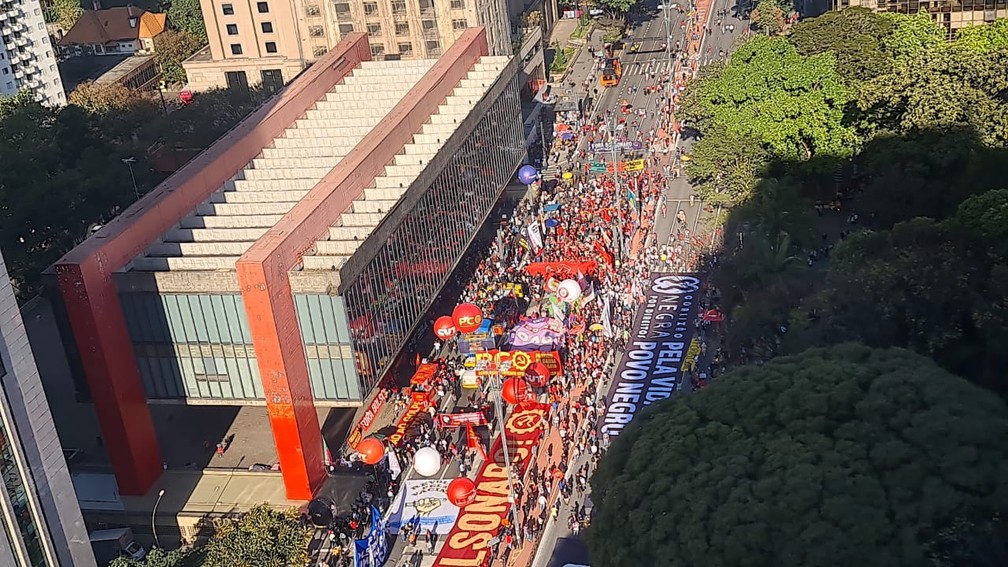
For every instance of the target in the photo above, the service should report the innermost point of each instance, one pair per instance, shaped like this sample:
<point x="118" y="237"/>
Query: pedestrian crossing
<point x="659" y="68"/>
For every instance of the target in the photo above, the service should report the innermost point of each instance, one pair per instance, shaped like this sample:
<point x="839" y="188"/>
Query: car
<point x="635" y="48"/>
<point x="670" y="6"/>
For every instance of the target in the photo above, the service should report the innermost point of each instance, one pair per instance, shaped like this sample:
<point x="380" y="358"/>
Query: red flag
<point x="473" y="441"/>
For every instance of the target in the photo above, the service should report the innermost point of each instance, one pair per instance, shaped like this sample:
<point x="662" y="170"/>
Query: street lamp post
<point x="618" y="224"/>
<point x="129" y="161"/>
<point x="497" y="388"/>
<point x="153" y="523"/>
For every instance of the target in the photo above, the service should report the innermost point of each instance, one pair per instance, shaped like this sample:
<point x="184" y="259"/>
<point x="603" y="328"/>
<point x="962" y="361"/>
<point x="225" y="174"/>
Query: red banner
<point x="478" y="523"/>
<point x="415" y="407"/>
<point x="518" y="362"/>
<point x="561" y="270"/>
<point x="461" y="419"/>
<point x="366" y="420"/>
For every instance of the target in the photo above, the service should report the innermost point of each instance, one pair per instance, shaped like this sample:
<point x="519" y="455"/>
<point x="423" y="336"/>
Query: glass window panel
<point x="304" y="318"/>
<point x="174" y="314"/>
<point x="327" y="319"/>
<point x="172" y="377"/>
<point x="207" y="310"/>
<point x="246" y="334"/>
<point x="198" y="320"/>
<point x="341" y="319"/>
<point x="220" y="320"/>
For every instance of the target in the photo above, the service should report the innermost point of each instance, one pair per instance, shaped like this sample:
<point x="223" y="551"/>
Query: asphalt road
<point x="557" y="547"/>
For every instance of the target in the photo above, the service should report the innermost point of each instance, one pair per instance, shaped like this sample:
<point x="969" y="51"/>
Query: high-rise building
<point x="270" y="42"/>
<point x="950" y="14"/>
<point x="38" y="504"/>
<point x="27" y="56"/>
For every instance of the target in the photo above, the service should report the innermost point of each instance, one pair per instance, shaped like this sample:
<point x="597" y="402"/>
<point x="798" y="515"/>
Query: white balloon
<point x="427" y="461"/>
<point x="569" y="291"/>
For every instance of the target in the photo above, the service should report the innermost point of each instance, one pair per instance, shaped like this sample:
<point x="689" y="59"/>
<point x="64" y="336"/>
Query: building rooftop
<point x="114" y="24"/>
<point x="124" y="68"/>
<point x="208" y="242"/>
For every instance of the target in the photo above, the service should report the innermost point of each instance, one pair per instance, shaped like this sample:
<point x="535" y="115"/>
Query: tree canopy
<point x="838" y="456"/>
<point x="263" y="537"/>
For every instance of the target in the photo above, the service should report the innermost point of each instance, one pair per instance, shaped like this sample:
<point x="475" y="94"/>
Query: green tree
<point x="68" y="176"/>
<point x="102" y="97"/>
<point x="617" y="7"/>
<point x="725" y="168"/>
<point x="838" y="456"/>
<point x="263" y="537"/>
<point x="63" y="12"/>
<point x="172" y="48"/>
<point x="793" y="105"/>
<point x="158" y="557"/>
<point x="942" y="88"/>
<point x="768" y="17"/>
<point x="986" y="38"/>
<point x="186" y="16"/>
<point x="854" y="35"/>
<point x="912" y="35"/>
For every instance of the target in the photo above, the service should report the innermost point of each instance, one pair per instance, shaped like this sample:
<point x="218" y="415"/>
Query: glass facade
<point x="396" y="287"/>
<point x="327" y="344"/>
<point x="16" y="510"/>
<point x="192" y="346"/>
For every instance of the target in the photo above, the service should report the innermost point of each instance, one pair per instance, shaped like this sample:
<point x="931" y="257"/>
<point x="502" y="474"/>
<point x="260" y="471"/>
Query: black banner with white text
<point x="652" y="366"/>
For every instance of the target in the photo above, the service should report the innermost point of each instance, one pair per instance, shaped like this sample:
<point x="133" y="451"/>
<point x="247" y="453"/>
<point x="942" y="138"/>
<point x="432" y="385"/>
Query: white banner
<point x="426" y="501"/>
<point x="607" y="330"/>
<point x="395" y="469"/>
<point x="535" y="236"/>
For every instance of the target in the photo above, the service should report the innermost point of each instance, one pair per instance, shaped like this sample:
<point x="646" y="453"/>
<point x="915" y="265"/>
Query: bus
<point x="611" y="72"/>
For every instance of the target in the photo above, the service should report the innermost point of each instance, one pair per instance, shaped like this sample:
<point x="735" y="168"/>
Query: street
<point x="648" y="29"/>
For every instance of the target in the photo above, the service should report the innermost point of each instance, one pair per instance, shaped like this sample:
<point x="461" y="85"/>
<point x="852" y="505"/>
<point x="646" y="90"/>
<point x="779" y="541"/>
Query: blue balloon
<point x="527" y="174"/>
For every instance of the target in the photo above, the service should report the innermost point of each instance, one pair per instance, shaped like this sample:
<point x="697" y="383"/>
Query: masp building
<point x="288" y="263"/>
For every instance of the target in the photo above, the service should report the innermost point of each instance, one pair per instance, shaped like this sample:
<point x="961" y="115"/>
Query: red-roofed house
<point x="115" y="31"/>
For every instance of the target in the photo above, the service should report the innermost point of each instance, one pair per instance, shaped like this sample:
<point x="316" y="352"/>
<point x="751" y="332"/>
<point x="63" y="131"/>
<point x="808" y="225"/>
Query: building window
<point x="402" y="28"/>
<point x="370" y="8"/>
<point x="406" y="49"/>
<point x="236" y="80"/>
<point x="236" y="49"/>
<point x="312" y="10"/>
<point x="458" y="4"/>
<point x="342" y="7"/>
<point x="316" y="31"/>
<point x="228" y="9"/>
<point x="319" y="50"/>
<point x="398" y="6"/>
<point x="429" y="25"/>
<point x="15" y="485"/>
<point x="459" y="24"/>
<point x="232" y="29"/>
<point x="377" y="49"/>
<point x="263" y="7"/>
<point x="374" y="30"/>
<point x="345" y="29"/>
<point x="272" y="79"/>
<point x="271" y="47"/>
<point x="267" y="27"/>
<point x="433" y="45"/>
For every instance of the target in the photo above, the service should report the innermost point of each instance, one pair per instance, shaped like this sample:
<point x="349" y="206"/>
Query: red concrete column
<point x="106" y="353"/>
<point x="279" y="352"/>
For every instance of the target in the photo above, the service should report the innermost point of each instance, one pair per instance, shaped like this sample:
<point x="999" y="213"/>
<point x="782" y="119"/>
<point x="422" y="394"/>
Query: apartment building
<point x="950" y="14"/>
<point x="38" y="504"/>
<point x="271" y="41"/>
<point x="27" y="56"/>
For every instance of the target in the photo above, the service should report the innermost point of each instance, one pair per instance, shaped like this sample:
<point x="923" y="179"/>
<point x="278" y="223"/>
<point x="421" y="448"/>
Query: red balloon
<point x="371" y="450"/>
<point x="467" y="317"/>
<point x="444" y="328"/>
<point x="538" y="374"/>
<point x="515" y="390"/>
<point x="461" y="491"/>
